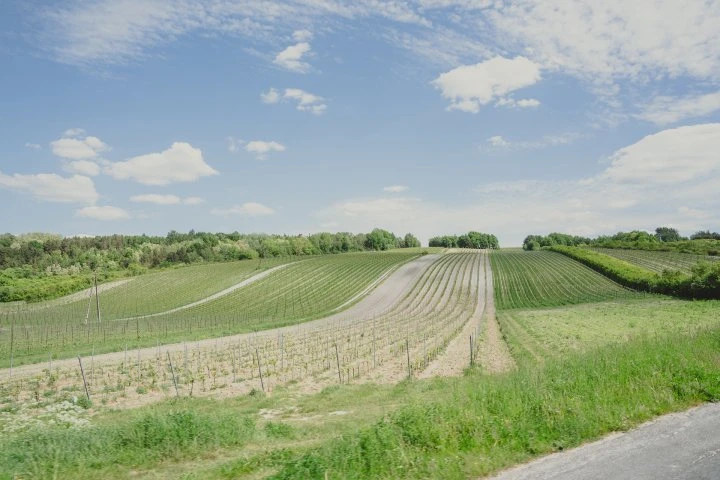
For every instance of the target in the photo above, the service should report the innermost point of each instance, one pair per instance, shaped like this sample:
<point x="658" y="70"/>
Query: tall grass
<point x="481" y="424"/>
<point x="144" y="438"/>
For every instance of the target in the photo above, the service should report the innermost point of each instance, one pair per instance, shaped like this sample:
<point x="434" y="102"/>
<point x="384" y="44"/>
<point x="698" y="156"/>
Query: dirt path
<point x="493" y="353"/>
<point x="456" y="357"/>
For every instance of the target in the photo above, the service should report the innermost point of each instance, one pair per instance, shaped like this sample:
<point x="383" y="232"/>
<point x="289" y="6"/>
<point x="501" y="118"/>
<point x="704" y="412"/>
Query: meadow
<point x="339" y="396"/>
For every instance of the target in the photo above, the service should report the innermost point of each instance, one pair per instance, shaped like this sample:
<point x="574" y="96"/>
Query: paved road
<point x="680" y="446"/>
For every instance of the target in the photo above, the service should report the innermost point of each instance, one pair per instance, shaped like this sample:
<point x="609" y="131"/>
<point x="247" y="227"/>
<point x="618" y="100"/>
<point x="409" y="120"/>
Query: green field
<point x="593" y="357"/>
<point x="297" y="292"/>
<point x="658" y="261"/>
<point x="547" y="279"/>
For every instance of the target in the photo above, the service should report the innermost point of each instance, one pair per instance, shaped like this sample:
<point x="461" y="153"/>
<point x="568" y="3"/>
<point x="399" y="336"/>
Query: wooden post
<point x="337" y="358"/>
<point x="172" y="370"/>
<point x="82" y="371"/>
<point x="97" y="299"/>
<point x="471" y="350"/>
<point x="407" y="350"/>
<point x="262" y="383"/>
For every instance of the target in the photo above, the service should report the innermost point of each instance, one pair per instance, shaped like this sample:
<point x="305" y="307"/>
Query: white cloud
<point x="250" y="209"/>
<point x="156" y="198"/>
<point x="117" y="32"/>
<point x="664" y="110"/>
<point x="633" y="192"/>
<point x="234" y="144"/>
<point x="103" y="213"/>
<point x="471" y="86"/>
<point x="83" y="167"/>
<point x="179" y="163"/>
<point x="498" y="141"/>
<point x="32" y="146"/>
<point x="306" y="102"/>
<point x="78" y="149"/>
<point x="193" y="200"/>
<point x="396" y="189"/>
<point x="616" y="38"/>
<point x="261" y="148"/>
<point x="292" y="58"/>
<point x="522" y="103"/>
<point x="271" y="96"/>
<point x="50" y="187"/>
<point x="302" y="35"/>
<point x="669" y="157"/>
<point x="166" y="199"/>
<point x="73" y="132"/>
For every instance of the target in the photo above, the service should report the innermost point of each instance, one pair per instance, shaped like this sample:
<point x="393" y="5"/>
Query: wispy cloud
<point x="305" y="101"/>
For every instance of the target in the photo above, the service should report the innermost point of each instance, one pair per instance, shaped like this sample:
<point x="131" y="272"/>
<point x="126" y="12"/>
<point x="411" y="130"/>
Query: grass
<point x="658" y="261"/>
<point x="537" y="335"/>
<point x="546" y="279"/>
<point x="478" y="425"/>
<point x="441" y="428"/>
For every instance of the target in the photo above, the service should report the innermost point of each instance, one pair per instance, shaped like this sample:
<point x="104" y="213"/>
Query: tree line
<point x="703" y="242"/>
<point x="467" y="240"/>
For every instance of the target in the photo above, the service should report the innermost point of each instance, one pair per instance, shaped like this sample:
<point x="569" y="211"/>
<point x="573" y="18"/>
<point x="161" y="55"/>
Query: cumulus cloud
<point x="156" y="198"/>
<point x="179" y="163"/>
<point x="396" y="189"/>
<point x="469" y="87"/>
<point x="103" y="213"/>
<point x="633" y="191"/>
<point x="305" y="101"/>
<point x="77" y="148"/>
<point x="250" y="209"/>
<point x="665" y="110"/>
<point x="292" y="58"/>
<point x="261" y="148"/>
<point x="51" y="187"/>
<point x="668" y="157"/>
<point x="83" y="167"/>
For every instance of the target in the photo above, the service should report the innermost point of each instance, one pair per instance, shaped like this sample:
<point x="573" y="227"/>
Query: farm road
<point x="678" y="446"/>
<point x="383" y="297"/>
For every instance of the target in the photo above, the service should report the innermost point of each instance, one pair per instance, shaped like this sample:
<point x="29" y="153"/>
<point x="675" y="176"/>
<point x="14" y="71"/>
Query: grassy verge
<point x="483" y="424"/>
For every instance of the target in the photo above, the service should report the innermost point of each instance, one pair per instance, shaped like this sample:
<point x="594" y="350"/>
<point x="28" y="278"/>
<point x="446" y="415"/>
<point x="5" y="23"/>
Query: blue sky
<point x="428" y="116"/>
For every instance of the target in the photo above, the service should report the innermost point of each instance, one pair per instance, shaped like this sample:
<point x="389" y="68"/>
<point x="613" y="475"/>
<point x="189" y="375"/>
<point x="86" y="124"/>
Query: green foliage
<point x="668" y="234"/>
<point x="138" y="439"/>
<point x="703" y="282"/>
<point x="468" y="240"/>
<point x="411" y="241"/>
<point x="535" y="242"/>
<point x="480" y="425"/>
<point x="545" y="279"/>
<point x="705" y="235"/>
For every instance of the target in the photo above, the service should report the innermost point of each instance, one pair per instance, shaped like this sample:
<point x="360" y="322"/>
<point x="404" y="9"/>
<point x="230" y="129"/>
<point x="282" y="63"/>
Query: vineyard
<point x="132" y="313"/>
<point x="658" y="261"/>
<point x="546" y="279"/>
<point x="384" y="346"/>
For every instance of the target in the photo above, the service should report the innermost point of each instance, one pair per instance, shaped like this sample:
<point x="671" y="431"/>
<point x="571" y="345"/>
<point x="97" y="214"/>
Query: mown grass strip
<point x="477" y="425"/>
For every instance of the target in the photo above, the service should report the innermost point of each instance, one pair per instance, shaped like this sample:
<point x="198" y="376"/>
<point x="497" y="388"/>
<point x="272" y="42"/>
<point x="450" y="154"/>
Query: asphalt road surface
<point x="680" y="446"/>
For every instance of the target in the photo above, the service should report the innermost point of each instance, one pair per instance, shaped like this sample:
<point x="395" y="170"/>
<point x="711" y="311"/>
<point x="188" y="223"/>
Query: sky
<point x="299" y="116"/>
